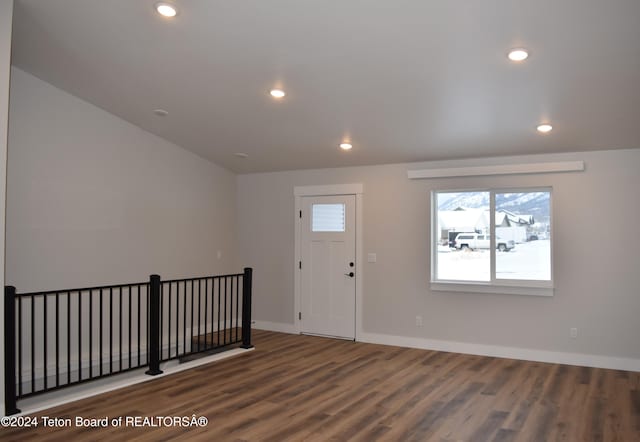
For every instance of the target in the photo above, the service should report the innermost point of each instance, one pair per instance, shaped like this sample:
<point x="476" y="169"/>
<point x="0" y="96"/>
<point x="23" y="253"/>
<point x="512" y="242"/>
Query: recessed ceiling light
<point x="166" y="9"/>
<point x="241" y="155"/>
<point x="518" y="54"/>
<point x="277" y="93"/>
<point x="544" y="128"/>
<point x="345" y="146"/>
<point x="160" y="112"/>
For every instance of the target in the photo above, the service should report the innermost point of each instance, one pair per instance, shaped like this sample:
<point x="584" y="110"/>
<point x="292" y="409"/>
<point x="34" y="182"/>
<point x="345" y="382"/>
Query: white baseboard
<point x="554" y="357"/>
<point x="498" y="351"/>
<point x="275" y="326"/>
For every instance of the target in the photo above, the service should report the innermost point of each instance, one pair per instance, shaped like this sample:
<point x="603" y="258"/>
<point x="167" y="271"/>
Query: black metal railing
<point x="56" y="339"/>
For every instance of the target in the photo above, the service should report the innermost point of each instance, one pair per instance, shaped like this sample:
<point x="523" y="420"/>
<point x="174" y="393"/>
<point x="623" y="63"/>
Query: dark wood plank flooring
<point x="294" y="388"/>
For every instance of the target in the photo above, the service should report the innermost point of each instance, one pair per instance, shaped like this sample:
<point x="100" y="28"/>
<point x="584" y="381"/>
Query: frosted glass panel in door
<point x="327" y="218"/>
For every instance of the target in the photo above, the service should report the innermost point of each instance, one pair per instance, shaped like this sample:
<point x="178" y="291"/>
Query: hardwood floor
<point x="294" y="388"/>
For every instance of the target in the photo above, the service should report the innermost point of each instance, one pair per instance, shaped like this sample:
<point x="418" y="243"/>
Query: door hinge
<point x="300" y="316"/>
<point x="301" y="214"/>
<point x="300" y="264"/>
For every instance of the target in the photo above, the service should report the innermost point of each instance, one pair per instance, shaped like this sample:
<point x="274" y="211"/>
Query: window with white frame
<point x="492" y="238"/>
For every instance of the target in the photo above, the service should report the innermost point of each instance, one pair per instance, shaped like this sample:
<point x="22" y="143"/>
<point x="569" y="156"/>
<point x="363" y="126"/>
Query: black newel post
<point x="10" y="404"/>
<point x="246" y="308"/>
<point x="154" y="326"/>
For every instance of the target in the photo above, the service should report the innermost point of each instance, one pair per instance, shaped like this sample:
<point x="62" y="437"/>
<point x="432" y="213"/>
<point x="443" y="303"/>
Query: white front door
<point x="328" y="278"/>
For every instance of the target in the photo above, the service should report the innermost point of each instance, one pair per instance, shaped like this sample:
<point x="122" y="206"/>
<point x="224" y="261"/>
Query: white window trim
<point x="498" y="286"/>
<point x="328" y="190"/>
<point x="480" y="287"/>
<point x="498" y="169"/>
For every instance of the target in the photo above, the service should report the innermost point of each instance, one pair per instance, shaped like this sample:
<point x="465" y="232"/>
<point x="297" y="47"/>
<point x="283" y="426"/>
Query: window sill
<point x="479" y="287"/>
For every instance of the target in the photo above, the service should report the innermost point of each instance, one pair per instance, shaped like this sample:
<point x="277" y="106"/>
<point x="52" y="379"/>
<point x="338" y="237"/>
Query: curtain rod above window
<point x="501" y="169"/>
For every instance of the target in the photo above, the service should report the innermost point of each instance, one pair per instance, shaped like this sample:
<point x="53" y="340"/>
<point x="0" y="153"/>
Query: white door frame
<point x="330" y="190"/>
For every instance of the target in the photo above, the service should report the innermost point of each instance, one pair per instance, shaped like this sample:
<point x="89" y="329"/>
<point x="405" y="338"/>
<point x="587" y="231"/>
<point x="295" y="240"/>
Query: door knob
<point x="350" y="274"/>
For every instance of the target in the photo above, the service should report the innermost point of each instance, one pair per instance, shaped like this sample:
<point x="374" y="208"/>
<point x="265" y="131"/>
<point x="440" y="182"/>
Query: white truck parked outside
<point x="475" y="241"/>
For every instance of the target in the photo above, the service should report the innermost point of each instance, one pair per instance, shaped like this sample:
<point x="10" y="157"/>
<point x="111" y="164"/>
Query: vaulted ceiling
<point x="403" y="80"/>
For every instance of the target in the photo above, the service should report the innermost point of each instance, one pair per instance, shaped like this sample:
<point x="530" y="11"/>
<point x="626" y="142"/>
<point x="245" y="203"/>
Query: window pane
<point x="463" y="251"/>
<point x="327" y="218"/>
<point x="523" y="227"/>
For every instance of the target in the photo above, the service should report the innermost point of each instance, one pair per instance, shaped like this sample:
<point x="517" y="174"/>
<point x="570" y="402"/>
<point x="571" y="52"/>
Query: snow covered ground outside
<point x="530" y="261"/>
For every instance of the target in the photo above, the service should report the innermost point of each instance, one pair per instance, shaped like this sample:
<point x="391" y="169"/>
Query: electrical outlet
<point x="418" y="321"/>
<point x="573" y="332"/>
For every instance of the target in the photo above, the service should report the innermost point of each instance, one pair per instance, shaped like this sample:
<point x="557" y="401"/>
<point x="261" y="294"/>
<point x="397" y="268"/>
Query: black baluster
<point x="79" y="336"/>
<point x="68" y="337"/>
<point x="206" y="301"/>
<point x="90" y="334"/>
<point x="10" y="400"/>
<point x="129" y="333"/>
<point x="168" y="322"/>
<point x="101" y="326"/>
<point x="33" y="344"/>
<point x="192" y="308"/>
<point x="198" y="335"/>
<point x="161" y="319"/>
<point x="57" y="339"/>
<point x="246" y="307"/>
<point x="120" y="328"/>
<point x="234" y="301"/>
<point x="44" y="337"/>
<point x="19" y="344"/>
<point x="184" y="318"/>
<point x="139" y="320"/>
<point x="154" y="326"/>
<point x="225" y="311"/>
<point x="219" y="310"/>
<point x="110" y="330"/>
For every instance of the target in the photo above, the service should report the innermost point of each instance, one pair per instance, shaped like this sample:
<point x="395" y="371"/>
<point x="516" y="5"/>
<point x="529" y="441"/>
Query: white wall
<point x="94" y="200"/>
<point x="6" y="15"/>
<point x="596" y="257"/>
